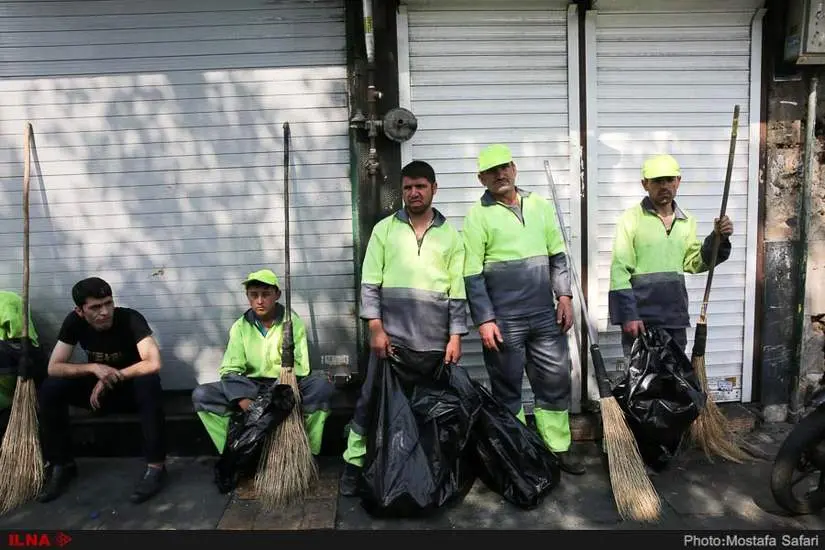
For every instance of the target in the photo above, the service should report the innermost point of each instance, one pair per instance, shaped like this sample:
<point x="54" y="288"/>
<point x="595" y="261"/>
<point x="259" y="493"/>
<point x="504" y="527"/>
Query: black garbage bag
<point x="420" y="425"/>
<point x="451" y="392"/>
<point x="660" y="396"/>
<point x="248" y="429"/>
<point x="510" y="458"/>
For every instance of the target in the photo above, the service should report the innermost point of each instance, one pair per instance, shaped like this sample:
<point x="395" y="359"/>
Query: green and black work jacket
<point x="647" y="271"/>
<point x="415" y="286"/>
<point x="515" y="258"/>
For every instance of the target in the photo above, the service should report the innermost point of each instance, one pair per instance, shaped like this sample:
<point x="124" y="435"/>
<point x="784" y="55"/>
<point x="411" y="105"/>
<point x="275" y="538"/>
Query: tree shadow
<point x="162" y="171"/>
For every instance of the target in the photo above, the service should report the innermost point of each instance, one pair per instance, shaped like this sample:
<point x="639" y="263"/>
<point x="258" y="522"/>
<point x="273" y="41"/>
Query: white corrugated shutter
<point x="476" y="73"/>
<point x="158" y="128"/>
<point x="668" y="82"/>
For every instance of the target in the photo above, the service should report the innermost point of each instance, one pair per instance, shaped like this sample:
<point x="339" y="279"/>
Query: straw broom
<point x="287" y="468"/>
<point x="633" y="492"/>
<point x="710" y="431"/>
<point x="21" y="462"/>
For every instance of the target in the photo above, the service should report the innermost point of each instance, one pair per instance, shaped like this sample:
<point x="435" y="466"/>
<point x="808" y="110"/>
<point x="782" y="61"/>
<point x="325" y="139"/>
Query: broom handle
<point x="287" y="352"/>
<point x="595" y="350"/>
<point x="23" y="365"/>
<point x="717" y="237"/>
<point x="26" y="180"/>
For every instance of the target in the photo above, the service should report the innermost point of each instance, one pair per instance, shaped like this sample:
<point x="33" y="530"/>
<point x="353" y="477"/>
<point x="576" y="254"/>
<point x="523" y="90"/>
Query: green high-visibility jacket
<point x="11" y="318"/>
<point x="647" y="281"/>
<point x="514" y="258"/>
<point x="415" y="286"/>
<point x="250" y="353"/>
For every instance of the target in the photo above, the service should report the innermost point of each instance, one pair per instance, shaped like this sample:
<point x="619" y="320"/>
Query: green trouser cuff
<point x="520" y="416"/>
<point x="217" y="427"/>
<point x="314" y="424"/>
<point x="356" y="449"/>
<point x="554" y="429"/>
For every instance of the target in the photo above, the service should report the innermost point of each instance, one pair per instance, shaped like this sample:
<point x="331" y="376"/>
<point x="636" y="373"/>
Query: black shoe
<point x="225" y="477"/>
<point x="58" y="477"/>
<point x="348" y="486"/>
<point x="149" y="485"/>
<point x="570" y="463"/>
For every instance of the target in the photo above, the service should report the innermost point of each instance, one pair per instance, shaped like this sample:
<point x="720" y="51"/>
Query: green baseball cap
<point x="494" y="155"/>
<point x="265" y="276"/>
<point x="660" y="166"/>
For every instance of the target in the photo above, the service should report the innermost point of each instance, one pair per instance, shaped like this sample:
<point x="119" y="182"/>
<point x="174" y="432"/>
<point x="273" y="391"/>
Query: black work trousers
<point x="141" y="394"/>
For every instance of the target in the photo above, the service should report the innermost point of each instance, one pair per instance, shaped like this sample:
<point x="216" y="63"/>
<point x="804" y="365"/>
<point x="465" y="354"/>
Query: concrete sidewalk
<point x="695" y="493"/>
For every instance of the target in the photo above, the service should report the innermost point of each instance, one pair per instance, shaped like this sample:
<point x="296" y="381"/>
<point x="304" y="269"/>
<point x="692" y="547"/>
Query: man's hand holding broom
<point x="724" y="226"/>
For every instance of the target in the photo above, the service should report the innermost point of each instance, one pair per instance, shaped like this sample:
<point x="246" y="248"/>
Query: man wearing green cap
<point x="515" y="264"/>
<point x="251" y="362"/>
<point x="654" y="246"/>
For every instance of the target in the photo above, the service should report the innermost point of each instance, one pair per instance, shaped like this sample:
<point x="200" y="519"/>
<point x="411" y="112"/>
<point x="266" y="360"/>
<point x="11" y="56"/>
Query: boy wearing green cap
<point x="654" y="246"/>
<point x="515" y="263"/>
<point x="251" y="362"/>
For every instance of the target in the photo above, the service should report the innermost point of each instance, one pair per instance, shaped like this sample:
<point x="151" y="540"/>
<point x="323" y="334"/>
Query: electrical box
<point x="805" y="32"/>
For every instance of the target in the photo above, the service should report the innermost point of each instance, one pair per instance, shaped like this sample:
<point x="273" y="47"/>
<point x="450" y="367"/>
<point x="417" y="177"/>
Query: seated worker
<point x="11" y="347"/>
<point x="251" y="363"/>
<point x="122" y="374"/>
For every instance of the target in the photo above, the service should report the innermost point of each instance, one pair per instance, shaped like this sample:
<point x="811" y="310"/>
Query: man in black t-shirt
<point x="121" y="374"/>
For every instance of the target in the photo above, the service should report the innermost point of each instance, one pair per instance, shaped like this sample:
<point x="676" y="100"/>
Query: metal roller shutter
<point x="474" y="74"/>
<point x="667" y="81"/>
<point x="159" y="137"/>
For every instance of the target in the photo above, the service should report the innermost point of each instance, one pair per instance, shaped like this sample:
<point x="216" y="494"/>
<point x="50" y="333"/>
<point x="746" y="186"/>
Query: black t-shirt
<point x="117" y="346"/>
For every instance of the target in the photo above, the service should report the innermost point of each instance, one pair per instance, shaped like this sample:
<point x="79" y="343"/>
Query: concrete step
<point x="119" y="434"/>
<point x="96" y="435"/>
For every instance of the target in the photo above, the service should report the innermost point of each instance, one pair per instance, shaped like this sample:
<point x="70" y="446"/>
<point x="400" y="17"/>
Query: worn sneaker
<point x="58" y="477"/>
<point x="348" y="485"/>
<point x="149" y="484"/>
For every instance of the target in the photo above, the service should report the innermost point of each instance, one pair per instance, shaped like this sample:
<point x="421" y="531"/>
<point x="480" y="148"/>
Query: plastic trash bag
<point x="420" y="426"/>
<point x="459" y="397"/>
<point x="660" y="396"/>
<point x="510" y="458"/>
<point x="247" y="430"/>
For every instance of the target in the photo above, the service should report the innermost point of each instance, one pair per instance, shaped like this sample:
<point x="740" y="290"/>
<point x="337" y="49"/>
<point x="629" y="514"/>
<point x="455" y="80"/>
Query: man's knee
<point x="53" y="390"/>
<point x="550" y="373"/>
<point x="200" y="396"/>
<point x="505" y="384"/>
<point x="505" y="367"/>
<point x="316" y="391"/>
<point x="147" y="388"/>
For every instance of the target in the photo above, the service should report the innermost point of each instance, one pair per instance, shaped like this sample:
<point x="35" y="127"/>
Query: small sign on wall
<point x="724" y="389"/>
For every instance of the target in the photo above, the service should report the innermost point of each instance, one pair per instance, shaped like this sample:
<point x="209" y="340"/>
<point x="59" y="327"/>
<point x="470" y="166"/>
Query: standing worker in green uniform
<point x="412" y="295"/>
<point x="251" y="362"/>
<point x="515" y="264"/>
<point x="654" y="246"/>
